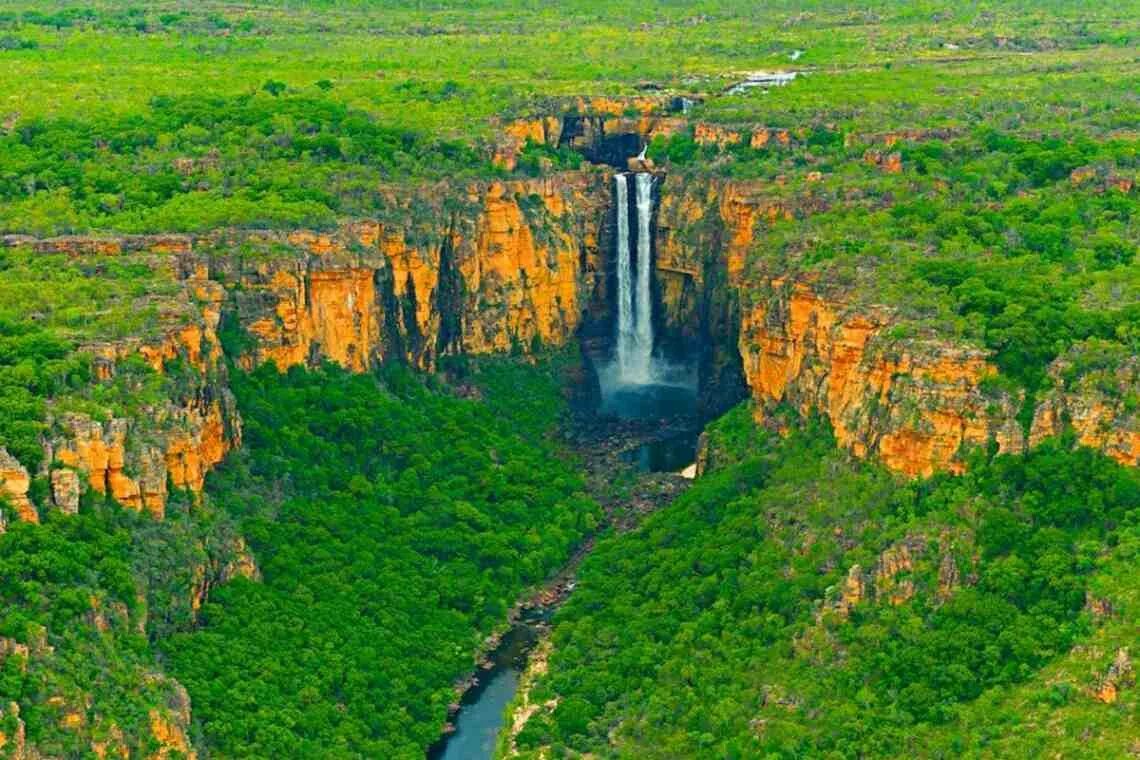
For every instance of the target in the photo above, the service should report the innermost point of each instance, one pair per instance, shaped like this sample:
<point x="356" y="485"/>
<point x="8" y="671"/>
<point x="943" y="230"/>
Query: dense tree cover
<point x="716" y="630"/>
<point x="82" y="598"/>
<point x="395" y="526"/>
<point x="1024" y="245"/>
<point x="200" y="162"/>
<point x="396" y="523"/>
<point x="211" y="115"/>
<point x="1014" y="247"/>
<point x="34" y="365"/>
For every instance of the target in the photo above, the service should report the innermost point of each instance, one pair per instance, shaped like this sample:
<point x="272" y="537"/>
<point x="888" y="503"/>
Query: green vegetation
<point x="50" y="306"/>
<point x="395" y="526"/>
<point x="82" y="600"/>
<point x="211" y="115"/>
<point x="717" y="629"/>
<point x="985" y="237"/>
<point x="793" y="602"/>
<point x="1008" y="242"/>
<point x="198" y="163"/>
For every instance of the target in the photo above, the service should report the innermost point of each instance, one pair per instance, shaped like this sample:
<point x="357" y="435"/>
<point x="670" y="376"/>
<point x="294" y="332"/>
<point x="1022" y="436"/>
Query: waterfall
<point x="634" y="298"/>
<point x="644" y="361"/>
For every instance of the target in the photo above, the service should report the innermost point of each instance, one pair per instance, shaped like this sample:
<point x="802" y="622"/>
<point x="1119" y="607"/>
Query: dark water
<point x="645" y="402"/>
<point x="481" y="713"/>
<point x="666" y="455"/>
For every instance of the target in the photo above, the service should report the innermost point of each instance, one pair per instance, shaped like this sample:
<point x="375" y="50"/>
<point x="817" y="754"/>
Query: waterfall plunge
<point x="634" y="298"/>
<point x="636" y="384"/>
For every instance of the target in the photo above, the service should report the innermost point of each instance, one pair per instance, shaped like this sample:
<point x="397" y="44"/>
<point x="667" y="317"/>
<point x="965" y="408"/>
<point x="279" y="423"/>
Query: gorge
<point x="522" y="266"/>
<point x="505" y="381"/>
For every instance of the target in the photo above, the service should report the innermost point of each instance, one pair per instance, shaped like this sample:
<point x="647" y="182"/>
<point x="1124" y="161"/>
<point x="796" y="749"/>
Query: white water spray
<point x="634" y="298"/>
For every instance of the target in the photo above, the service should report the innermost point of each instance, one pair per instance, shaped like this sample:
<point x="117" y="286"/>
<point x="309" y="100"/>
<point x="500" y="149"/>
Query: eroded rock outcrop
<point x="501" y="266"/>
<point x="175" y="439"/>
<point x="1093" y="391"/>
<point x="756" y="136"/>
<point x="83" y="723"/>
<point x="1119" y="675"/>
<point x="170" y="723"/>
<point x="13" y="735"/>
<point x="234" y="561"/>
<point x="14" y="485"/>
<point x="916" y="403"/>
<point x="170" y="436"/>
<point x="448" y="269"/>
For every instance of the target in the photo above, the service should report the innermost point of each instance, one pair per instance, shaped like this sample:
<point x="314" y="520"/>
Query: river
<point x="482" y="711"/>
<point x="657" y="449"/>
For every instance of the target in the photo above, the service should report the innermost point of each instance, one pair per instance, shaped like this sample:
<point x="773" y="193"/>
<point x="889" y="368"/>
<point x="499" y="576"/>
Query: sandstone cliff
<point x="502" y="266"/>
<point x="1094" y="387"/>
<point x="490" y="267"/>
<point x="915" y="400"/>
<point x="70" y="721"/>
<point x="174" y="417"/>
<point x="917" y="403"/>
<point x="478" y="268"/>
<point x="173" y="442"/>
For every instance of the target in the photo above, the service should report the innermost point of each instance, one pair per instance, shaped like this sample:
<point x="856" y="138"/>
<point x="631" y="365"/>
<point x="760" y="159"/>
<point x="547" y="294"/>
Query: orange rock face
<point x="526" y="274"/>
<point x="544" y="130"/>
<point x="170" y="733"/>
<point x="14" y="744"/>
<point x="1120" y="675"/>
<point x="914" y="404"/>
<point x="498" y="266"/>
<point x="1096" y="406"/>
<point x="132" y="460"/>
<point x="714" y="134"/>
<point x="14" y="484"/>
<point x="100" y="450"/>
<point x="894" y="561"/>
<point x="501" y="273"/>
<point x="741" y="208"/>
<point x="888" y="162"/>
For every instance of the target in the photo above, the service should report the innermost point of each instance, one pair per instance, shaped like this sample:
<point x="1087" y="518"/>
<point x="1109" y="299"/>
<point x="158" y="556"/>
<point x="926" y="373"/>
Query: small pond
<point x="670" y="454"/>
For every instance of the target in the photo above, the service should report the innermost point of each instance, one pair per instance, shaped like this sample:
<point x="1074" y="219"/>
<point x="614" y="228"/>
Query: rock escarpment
<point x="512" y="266"/>
<point x="1094" y="391"/>
<point x="172" y="440"/>
<point x="78" y="723"/>
<point x="915" y="402"/>
<point x="491" y="267"/>
<point x="472" y="269"/>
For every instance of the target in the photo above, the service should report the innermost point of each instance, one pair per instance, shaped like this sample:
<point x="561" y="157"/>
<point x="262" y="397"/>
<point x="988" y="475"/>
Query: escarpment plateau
<point x="485" y="267"/>
<point x="521" y="264"/>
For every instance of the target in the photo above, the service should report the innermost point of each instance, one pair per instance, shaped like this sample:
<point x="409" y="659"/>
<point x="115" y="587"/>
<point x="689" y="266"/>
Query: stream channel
<point x="636" y="430"/>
